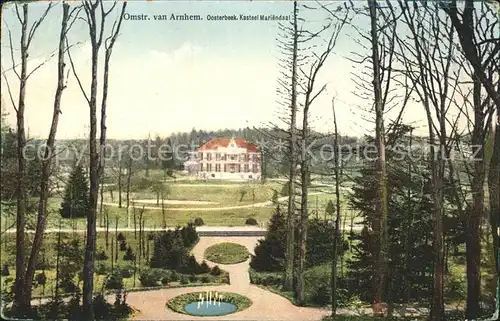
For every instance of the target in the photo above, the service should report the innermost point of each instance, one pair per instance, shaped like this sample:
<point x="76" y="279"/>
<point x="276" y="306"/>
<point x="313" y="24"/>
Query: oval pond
<point x="214" y="309"/>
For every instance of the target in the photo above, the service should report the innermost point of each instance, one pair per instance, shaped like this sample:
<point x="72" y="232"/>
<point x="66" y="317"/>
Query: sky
<point x="172" y="76"/>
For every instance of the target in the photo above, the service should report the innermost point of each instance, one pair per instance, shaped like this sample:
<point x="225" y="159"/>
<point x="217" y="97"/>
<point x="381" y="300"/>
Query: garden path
<point x="265" y="305"/>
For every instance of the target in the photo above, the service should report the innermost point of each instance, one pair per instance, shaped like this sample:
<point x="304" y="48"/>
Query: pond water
<point x="204" y="309"/>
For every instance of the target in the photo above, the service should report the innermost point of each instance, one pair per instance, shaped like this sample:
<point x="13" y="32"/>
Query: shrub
<point x="101" y="268"/>
<point x="123" y="246"/>
<point x="101" y="307"/>
<point x="192" y="278"/>
<point x="192" y="266"/>
<point x="115" y="281"/>
<point x="198" y="221"/>
<point x="120" y="237"/>
<point x="205" y="279"/>
<point x="204" y="268"/>
<point x="174" y="277"/>
<point x="151" y="236"/>
<point x="68" y="285"/>
<point x="101" y="255"/>
<point x="150" y="277"/>
<point x="216" y="270"/>
<point x="184" y="280"/>
<point x="126" y="272"/>
<point x="129" y="255"/>
<point x="41" y="279"/>
<point x="321" y="294"/>
<point x="44" y="264"/>
<point x="165" y="280"/>
<point x="171" y="248"/>
<point x="251" y="221"/>
<point x="5" y="270"/>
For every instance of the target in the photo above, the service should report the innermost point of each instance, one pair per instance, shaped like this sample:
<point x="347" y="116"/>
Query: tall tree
<point x="472" y="39"/>
<point x="336" y="237"/>
<point x="380" y="164"/>
<point x="27" y="34"/>
<point x="290" y="237"/>
<point x="428" y="63"/>
<point x="333" y="27"/>
<point x="75" y="203"/>
<point x="95" y="18"/>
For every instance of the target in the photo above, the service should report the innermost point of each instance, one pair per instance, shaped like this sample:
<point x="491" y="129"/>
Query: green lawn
<point x="225" y="194"/>
<point x="226" y="253"/>
<point x="222" y="194"/>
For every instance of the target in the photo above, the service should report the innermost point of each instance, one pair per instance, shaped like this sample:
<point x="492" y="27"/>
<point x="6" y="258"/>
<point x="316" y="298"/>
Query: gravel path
<point x="263" y="204"/>
<point x="266" y="305"/>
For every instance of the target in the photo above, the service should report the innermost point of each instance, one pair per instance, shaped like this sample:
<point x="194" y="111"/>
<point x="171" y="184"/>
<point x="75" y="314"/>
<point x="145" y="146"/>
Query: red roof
<point x="224" y="142"/>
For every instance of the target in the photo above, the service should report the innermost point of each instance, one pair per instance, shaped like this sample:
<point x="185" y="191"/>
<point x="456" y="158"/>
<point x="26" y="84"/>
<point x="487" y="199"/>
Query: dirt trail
<point x="263" y="204"/>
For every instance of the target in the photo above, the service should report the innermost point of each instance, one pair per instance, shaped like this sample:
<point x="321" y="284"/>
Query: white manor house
<point x="225" y="158"/>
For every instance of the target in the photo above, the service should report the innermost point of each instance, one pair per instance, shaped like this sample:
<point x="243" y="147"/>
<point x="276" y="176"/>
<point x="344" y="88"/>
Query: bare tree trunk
<point x="473" y="218"/>
<point x="141" y="223"/>
<point x="290" y="235"/>
<point x="19" y="294"/>
<point x="88" y="267"/>
<point x="140" y="238"/>
<point x="106" y="213"/>
<point x="408" y="241"/>
<point x="120" y="185"/>
<point x="96" y="158"/>
<point x="382" y="266"/>
<point x="147" y="249"/>
<point x="116" y="238"/>
<point x="304" y="212"/>
<point x="129" y="177"/>
<point x="336" y="235"/>
<point x="57" y="260"/>
<point x="101" y="192"/>
<point x="112" y="257"/>
<point x="163" y="214"/>
<point x="494" y="197"/>
<point x="135" y="222"/>
<point x="46" y="163"/>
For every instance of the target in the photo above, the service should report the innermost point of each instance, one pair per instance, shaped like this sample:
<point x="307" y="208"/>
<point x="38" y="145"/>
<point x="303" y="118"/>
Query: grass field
<point x="225" y="194"/>
<point x="226" y="253"/>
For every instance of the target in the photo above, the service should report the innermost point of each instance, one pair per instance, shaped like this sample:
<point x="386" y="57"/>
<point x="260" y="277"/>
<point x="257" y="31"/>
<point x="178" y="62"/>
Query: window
<point x="246" y="168"/>
<point x="201" y="156"/>
<point x="201" y="167"/>
<point x="255" y="168"/>
<point x="233" y="157"/>
<point x="209" y="156"/>
<point x="217" y="167"/>
<point x="217" y="156"/>
<point x="209" y="167"/>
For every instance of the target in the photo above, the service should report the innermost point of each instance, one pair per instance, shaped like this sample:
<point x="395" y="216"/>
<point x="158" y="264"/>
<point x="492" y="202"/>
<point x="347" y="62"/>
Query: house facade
<point x="225" y="158"/>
